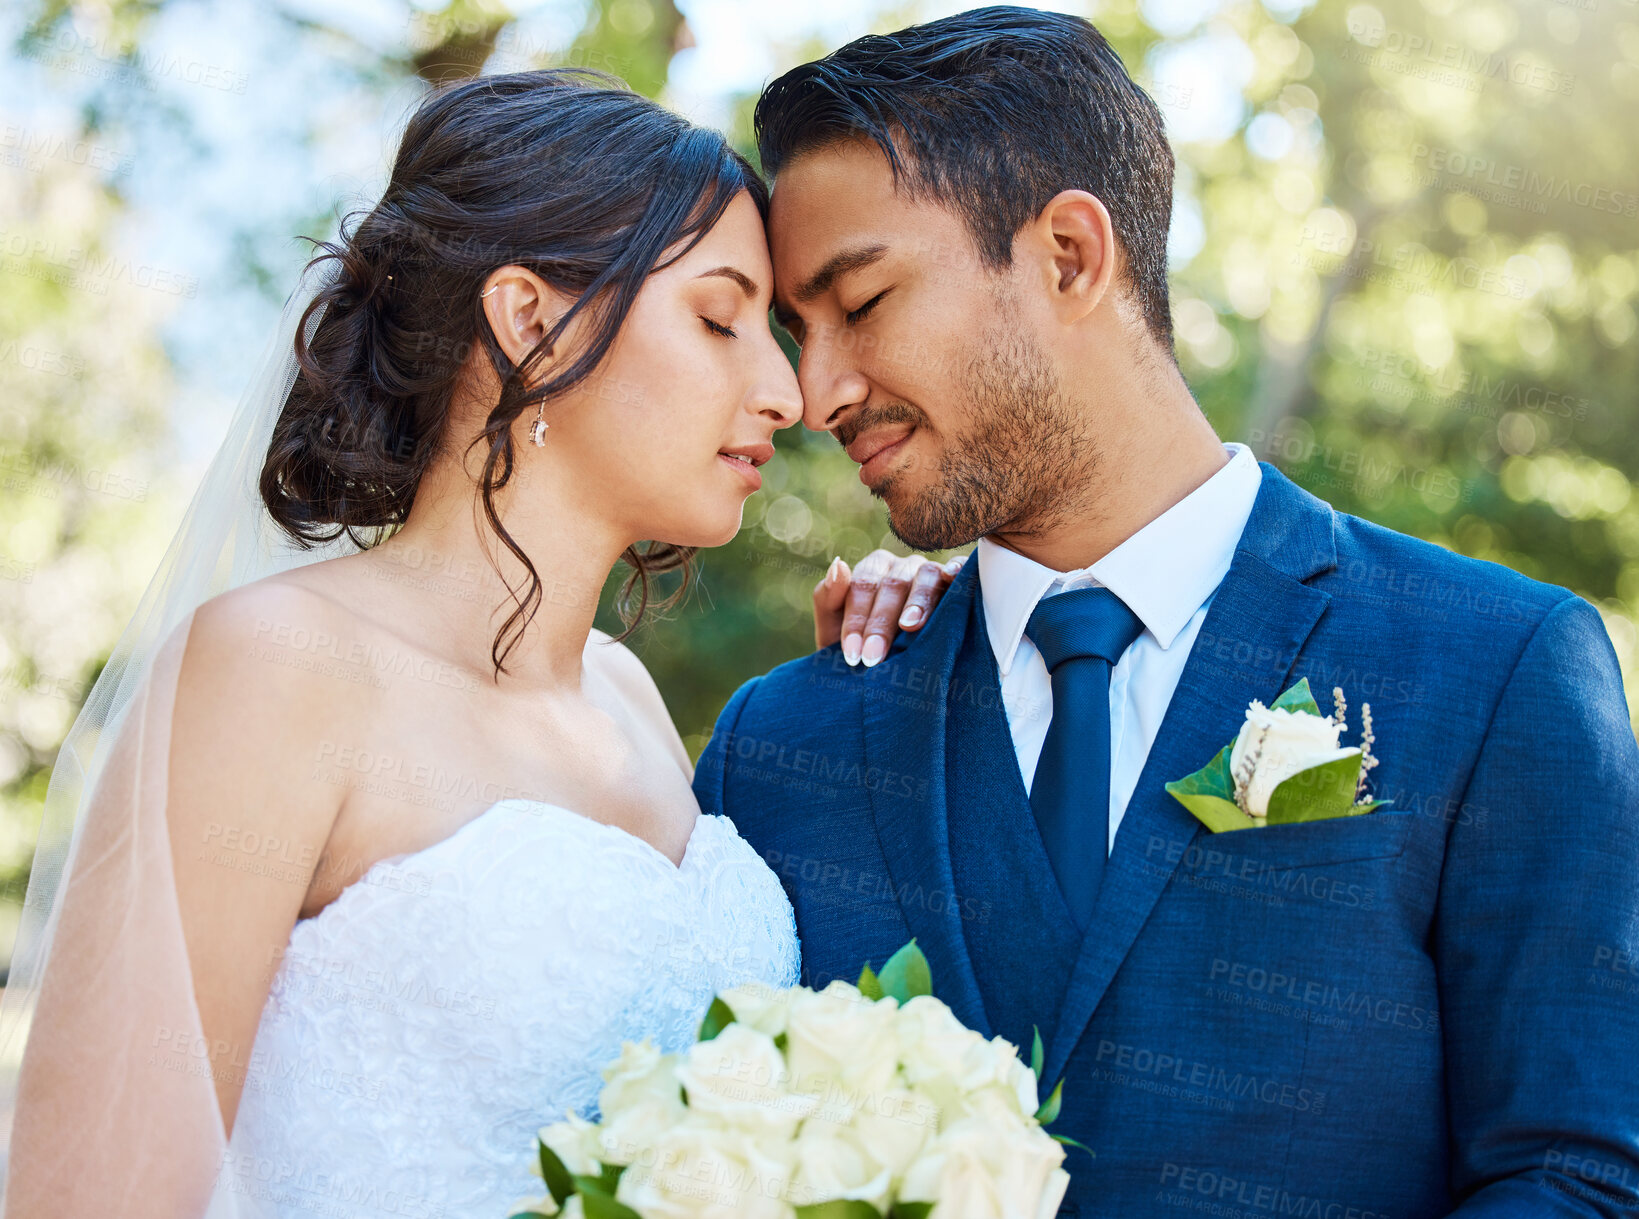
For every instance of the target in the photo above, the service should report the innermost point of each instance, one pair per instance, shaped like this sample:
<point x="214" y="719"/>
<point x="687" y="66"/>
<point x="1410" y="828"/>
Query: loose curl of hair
<point x="565" y="172"/>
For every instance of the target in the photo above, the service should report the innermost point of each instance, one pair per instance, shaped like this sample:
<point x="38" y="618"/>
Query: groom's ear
<point x="1076" y="246"/>
<point x="522" y="308"/>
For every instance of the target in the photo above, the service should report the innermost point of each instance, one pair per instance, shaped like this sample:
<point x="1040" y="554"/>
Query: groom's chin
<point x="922" y="522"/>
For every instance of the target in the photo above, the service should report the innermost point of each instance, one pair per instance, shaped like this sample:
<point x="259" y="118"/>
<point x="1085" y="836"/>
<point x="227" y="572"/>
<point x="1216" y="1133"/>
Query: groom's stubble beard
<point x="1024" y="463"/>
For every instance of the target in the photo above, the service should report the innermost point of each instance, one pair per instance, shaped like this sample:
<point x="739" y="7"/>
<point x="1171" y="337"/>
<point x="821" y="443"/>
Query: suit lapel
<point x="1258" y="622"/>
<point x="906" y="704"/>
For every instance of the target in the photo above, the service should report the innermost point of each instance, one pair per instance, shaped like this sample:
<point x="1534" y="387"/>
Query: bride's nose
<point x="774" y="391"/>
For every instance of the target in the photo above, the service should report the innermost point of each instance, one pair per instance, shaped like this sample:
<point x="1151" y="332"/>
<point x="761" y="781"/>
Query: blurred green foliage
<point x="1406" y="274"/>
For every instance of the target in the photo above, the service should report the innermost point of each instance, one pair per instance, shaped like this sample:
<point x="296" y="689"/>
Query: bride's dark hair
<point x="565" y="172"/>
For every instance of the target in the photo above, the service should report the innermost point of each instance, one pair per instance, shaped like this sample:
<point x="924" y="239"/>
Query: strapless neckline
<point x="467" y="828"/>
<point x="547" y="806"/>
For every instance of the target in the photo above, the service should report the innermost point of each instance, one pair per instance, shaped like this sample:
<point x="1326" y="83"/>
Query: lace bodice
<point x="424" y="1025"/>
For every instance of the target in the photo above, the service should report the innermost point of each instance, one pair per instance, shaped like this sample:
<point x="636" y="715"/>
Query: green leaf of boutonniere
<point x="1298" y="698"/>
<point x="1036" y="1054"/>
<point x="1209" y="793"/>
<point x="1318" y="794"/>
<point x="906" y="975"/>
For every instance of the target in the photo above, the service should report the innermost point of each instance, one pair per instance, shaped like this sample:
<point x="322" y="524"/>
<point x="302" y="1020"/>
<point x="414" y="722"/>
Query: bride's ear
<point x="522" y="308"/>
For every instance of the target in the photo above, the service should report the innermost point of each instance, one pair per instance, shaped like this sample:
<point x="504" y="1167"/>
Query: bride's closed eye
<point x="717" y="328"/>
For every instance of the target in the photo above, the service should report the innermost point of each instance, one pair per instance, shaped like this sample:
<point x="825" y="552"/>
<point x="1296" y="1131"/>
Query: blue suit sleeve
<point x="1536" y="940"/>
<point x="711" y="772"/>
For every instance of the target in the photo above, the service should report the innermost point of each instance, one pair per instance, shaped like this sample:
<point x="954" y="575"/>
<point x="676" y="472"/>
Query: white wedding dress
<point x="424" y="1025"/>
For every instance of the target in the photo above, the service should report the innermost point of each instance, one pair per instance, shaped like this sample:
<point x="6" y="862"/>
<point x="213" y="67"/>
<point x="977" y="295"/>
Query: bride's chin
<point x="707" y="534"/>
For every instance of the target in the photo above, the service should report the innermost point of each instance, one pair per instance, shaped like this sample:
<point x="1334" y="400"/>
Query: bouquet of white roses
<point x="854" y="1102"/>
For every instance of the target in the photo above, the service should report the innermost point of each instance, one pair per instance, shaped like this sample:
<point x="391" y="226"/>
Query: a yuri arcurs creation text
<point x="854" y="1102"/>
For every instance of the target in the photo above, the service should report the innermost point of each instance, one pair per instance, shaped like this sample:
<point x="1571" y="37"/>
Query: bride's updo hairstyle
<point x="565" y="172"/>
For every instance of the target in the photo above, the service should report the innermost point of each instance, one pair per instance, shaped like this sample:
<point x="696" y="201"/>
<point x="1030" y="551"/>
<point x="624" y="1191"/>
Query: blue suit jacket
<point x="1433" y="1008"/>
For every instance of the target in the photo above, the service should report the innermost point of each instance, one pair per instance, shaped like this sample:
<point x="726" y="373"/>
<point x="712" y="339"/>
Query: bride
<point x="345" y="888"/>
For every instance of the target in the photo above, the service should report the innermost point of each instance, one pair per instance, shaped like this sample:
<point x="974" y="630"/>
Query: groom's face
<point x="921" y="360"/>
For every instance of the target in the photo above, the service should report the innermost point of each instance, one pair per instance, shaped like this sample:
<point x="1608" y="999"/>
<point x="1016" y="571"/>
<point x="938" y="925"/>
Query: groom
<point x="1429" y="1009"/>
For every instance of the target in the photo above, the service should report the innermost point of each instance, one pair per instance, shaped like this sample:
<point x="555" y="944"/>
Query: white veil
<point x="147" y="1146"/>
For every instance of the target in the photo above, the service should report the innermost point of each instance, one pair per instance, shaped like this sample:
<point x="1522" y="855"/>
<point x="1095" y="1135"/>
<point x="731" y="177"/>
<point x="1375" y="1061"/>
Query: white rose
<point x="702" y="1170"/>
<point x="1287" y="742"/>
<point x="574" y="1141"/>
<point x="943" y="1057"/>
<point x="761" y="1006"/>
<point x="640" y="1076"/>
<point x="832" y="1162"/>
<point x="1001" y="1171"/>
<point x="895" y="1124"/>
<point x="739" y="1077"/>
<point x="841" y="1046"/>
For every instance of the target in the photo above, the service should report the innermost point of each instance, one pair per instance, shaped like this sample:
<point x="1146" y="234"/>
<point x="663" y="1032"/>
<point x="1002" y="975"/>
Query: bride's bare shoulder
<point x="274" y="635"/>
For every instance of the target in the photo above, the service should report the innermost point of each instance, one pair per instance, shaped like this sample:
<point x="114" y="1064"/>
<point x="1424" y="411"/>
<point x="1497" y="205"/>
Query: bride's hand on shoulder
<point x="865" y="608"/>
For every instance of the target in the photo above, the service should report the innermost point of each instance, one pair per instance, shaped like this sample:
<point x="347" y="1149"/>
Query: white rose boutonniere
<point x="1286" y="764"/>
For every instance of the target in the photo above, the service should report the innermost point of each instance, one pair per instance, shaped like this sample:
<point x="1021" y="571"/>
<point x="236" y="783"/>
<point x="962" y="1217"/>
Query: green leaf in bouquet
<point x="839" y="1208"/>
<point x="528" y="1215"/>
<point x="781" y="1041"/>
<point x="1209" y="794"/>
<point x="559" y="1183"/>
<point x="600" y="1204"/>
<point x="1049" y="1111"/>
<point x="906" y="975"/>
<point x="869" y="984"/>
<point x="718" y="1017"/>
<point x="1036" y="1055"/>
<point x="1318" y="794"/>
<point x="1298" y="698"/>
<point x="910" y="1210"/>
<point x="1070" y="1142"/>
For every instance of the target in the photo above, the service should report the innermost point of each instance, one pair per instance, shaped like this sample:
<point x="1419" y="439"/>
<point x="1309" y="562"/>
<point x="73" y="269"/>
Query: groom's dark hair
<point x="994" y="112"/>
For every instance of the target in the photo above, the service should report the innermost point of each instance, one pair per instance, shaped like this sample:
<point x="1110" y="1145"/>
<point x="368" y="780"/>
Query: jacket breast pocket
<point x="1306" y="844"/>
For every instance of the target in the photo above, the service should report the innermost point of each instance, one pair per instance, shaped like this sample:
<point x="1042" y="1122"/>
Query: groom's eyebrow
<point x="747" y="284"/>
<point x="837" y="265"/>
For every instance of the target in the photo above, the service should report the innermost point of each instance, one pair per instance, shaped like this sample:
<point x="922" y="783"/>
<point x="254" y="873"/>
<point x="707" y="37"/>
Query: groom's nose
<point x="831" y="384"/>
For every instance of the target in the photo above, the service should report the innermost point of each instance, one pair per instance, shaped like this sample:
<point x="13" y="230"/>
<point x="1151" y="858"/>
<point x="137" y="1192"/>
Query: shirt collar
<point x="1164" y="573"/>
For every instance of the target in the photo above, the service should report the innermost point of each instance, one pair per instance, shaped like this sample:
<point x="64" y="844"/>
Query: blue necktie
<point x="1081" y="635"/>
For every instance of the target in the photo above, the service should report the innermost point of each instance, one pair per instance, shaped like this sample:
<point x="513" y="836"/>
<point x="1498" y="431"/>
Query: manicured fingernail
<point x="876" y="648"/>
<point x="911" y="616"/>
<point x="834" y="572"/>
<point x="850" y="649"/>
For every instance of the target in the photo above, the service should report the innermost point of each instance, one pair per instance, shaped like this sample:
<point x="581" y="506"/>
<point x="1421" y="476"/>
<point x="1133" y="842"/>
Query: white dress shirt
<point x="1166" y="573"/>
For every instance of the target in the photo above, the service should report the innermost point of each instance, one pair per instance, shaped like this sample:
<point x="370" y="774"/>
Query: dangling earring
<point x="537" y="430"/>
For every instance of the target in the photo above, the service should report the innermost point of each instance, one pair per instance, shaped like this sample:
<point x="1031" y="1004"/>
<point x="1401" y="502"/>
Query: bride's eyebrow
<point x="747" y="284"/>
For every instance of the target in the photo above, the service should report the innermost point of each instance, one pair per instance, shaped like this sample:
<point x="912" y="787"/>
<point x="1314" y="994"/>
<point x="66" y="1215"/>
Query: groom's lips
<point x="875" y="450"/>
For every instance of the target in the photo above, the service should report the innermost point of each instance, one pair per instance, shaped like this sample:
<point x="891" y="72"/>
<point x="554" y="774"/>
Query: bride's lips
<point x="876" y="450"/>
<point x="754" y="455"/>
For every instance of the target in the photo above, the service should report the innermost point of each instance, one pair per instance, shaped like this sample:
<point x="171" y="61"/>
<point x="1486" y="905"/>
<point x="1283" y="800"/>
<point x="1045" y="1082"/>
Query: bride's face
<point x="665" y="437"/>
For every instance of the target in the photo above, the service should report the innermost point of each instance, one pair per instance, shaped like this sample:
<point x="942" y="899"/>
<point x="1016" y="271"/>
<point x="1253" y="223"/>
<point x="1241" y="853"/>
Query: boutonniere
<point x="1285" y="765"/>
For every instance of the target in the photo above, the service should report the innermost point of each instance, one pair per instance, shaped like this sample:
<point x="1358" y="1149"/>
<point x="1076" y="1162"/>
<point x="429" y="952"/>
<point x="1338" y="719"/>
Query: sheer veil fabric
<point x="106" y="1076"/>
